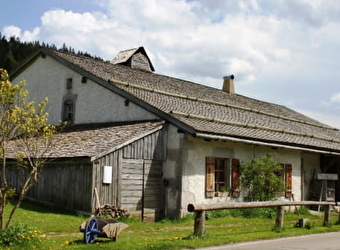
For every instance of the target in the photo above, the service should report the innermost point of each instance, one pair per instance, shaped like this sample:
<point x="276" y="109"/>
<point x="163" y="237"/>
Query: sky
<point x="284" y="51"/>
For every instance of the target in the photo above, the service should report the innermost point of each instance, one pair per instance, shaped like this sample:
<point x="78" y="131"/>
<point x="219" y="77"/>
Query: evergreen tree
<point x="13" y="52"/>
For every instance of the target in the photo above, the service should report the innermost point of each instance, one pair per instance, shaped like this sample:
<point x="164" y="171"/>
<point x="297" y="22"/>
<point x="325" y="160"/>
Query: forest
<point x="13" y="52"/>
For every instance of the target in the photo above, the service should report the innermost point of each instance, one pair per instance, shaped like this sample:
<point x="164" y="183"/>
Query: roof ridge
<point x="221" y="104"/>
<point x="253" y="126"/>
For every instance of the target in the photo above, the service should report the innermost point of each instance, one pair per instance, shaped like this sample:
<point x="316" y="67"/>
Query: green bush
<point x="261" y="179"/>
<point x="254" y="212"/>
<point x="217" y="214"/>
<point x="19" y="235"/>
<point x="303" y="210"/>
<point x="245" y="213"/>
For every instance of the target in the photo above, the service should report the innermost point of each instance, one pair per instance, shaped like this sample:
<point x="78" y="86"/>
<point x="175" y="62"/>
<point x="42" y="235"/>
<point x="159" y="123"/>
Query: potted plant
<point x="224" y="192"/>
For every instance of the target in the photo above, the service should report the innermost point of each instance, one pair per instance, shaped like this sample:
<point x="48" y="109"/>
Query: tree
<point x="261" y="179"/>
<point x="25" y="136"/>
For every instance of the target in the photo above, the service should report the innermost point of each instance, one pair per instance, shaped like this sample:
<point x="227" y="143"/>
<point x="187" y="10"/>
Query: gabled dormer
<point x="136" y="58"/>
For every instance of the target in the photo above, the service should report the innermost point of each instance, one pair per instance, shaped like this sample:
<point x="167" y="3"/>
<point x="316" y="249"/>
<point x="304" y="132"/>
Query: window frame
<point x="286" y="174"/>
<point x="231" y="176"/>
<point x="68" y="110"/>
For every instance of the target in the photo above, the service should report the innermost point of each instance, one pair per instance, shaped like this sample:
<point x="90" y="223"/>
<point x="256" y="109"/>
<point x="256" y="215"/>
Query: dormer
<point x="135" y="58"/>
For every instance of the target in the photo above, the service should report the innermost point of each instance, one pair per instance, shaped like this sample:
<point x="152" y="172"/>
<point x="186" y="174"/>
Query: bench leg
<point x="199" y="223"/>
<point x="327" y="215"/>
<point x="279" y="217"/>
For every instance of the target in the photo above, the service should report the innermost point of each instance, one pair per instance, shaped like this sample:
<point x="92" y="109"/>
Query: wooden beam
<point x="236" y="205"/>
<point x="200" y="209"/>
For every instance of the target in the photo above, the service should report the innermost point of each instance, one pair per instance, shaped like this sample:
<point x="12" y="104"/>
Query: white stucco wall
<point x="193" y="152"/>
<point x="94" y="103"/>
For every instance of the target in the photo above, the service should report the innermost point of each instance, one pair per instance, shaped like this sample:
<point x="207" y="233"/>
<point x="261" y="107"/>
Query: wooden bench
<point x="200" y="209"/>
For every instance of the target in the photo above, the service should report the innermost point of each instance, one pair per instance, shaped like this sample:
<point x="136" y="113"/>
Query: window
<point x="69" y="83"/>
<point x="222" y="174"/>
<point x="286" y="174"/>
<point x="288" y="180"/>
<point x="68" y="111"/>
<point x="68" y="108"/>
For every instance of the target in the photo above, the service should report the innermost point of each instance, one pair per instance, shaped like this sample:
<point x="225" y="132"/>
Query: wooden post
<point x="199" y="223"/>
<point x="280" y="216"/>
<point x="327" y="215"/>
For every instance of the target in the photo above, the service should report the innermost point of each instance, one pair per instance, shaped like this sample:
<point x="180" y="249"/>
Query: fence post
<point x="279" y="216"/>
<point x="199" y="223"/>
<point x="327" y="215"/>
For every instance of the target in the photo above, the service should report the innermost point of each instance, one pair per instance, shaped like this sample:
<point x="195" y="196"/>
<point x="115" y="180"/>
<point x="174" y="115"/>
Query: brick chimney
<point x="228" y="84"/>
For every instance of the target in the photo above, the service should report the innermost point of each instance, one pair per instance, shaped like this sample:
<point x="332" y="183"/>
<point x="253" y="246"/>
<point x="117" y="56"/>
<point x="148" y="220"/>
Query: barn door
<point x="142" y="189"/>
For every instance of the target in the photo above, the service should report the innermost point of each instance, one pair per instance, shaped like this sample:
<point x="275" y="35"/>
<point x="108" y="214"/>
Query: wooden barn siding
<point x="64" y="183"/>
<point x="151" y="148"/>
<point x="108" y="193"/>
<point x="142" y="192"/>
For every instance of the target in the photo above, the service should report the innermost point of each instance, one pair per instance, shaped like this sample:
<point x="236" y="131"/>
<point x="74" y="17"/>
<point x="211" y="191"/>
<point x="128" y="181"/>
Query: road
<point x="326" y="241"/>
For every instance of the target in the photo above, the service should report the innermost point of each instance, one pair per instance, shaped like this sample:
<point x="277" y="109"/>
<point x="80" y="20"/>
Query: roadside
<point x="329" y="241"/>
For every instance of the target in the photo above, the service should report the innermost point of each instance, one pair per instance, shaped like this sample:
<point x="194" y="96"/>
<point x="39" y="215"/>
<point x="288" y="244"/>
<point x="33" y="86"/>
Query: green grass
<point x="60" y="230"/>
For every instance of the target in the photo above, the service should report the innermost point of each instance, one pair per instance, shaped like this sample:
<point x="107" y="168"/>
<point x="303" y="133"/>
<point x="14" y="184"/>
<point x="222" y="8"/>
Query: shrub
<point x="261" y="179"/>
<point x="254" y="212"/>
<point x="303" y="210"/>
<point x="245" y="213"/>
<point x="19" y="235"/>
<point x="217" y="214"/>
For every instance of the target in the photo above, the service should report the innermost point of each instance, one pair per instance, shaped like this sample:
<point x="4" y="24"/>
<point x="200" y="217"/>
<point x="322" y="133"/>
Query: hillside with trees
<point x="13" y="52"/>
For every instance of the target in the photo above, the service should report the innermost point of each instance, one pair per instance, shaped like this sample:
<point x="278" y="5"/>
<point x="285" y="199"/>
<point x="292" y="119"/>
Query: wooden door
<point x="142" y="189"/>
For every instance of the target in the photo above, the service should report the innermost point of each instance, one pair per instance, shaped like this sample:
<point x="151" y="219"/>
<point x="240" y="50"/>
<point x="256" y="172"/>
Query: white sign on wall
<point x="107" y="175"/>
<point x="325" y="176"/>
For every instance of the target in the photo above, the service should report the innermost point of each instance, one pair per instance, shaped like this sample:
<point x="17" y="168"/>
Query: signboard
<point x="107" y="176"/>
<point x="325" y="176"/>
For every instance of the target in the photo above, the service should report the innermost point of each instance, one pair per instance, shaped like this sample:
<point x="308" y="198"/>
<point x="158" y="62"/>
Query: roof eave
<point x="268" y="144"/>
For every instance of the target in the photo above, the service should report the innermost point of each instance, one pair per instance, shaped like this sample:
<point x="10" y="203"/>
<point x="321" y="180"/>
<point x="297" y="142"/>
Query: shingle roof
<point x="207" y="111"/>
<point x="124" y="56"/>
<point x="92" y="139"/>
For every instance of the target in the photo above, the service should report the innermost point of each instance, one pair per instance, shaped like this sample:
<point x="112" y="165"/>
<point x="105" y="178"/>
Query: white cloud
<point x="272" y="47"/>
<point x="335" y="98"/>
<point x="10" y="31"/>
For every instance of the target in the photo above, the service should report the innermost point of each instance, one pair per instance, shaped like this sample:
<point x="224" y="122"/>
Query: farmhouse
<point x="152" y="144"/>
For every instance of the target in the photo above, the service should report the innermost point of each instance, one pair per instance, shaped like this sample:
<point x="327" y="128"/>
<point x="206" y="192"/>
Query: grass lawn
<point x="60" y="230"/>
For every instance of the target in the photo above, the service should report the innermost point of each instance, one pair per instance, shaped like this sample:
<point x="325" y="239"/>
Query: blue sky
<point x="27" y="14"/>
<point x="282" y="51"/>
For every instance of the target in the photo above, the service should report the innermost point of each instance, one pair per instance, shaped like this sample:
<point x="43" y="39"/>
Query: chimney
<point x="228" y="84"/>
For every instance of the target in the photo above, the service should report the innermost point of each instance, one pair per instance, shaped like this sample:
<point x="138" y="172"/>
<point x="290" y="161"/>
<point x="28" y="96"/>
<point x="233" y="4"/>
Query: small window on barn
<point x="222" y="175"/>
<point x="68" y="112"/>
